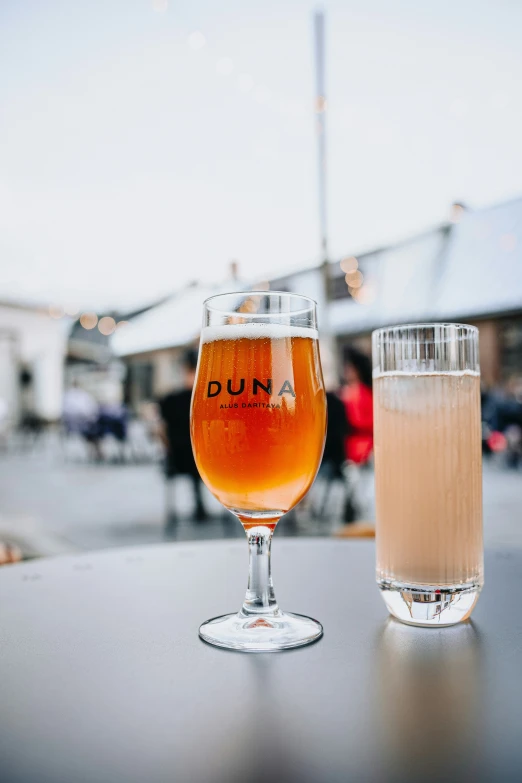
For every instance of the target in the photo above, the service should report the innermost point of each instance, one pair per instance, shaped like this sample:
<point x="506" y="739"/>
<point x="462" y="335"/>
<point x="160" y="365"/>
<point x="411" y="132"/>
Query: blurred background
<point x="153" y="152"/>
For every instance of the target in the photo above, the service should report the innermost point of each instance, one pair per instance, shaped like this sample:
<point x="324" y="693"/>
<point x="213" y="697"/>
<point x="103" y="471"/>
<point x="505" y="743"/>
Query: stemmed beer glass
<point x="258" y="424"/>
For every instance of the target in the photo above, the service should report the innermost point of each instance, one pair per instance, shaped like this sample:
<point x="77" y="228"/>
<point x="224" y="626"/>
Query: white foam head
<point x="253" y="331"/>
<point x="420" y="374"/>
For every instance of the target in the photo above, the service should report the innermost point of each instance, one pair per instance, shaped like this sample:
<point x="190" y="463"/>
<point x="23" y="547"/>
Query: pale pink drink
<point x="428" y="471"/>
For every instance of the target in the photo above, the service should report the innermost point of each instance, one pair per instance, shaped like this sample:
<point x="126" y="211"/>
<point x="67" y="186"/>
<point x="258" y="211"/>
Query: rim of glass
<point x="209" y="299"/>
<point x="432" y="325"/>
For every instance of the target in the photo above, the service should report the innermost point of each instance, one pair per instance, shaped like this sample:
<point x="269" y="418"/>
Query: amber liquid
<point x="428" y="476"/>
<point x="259" y="451"/>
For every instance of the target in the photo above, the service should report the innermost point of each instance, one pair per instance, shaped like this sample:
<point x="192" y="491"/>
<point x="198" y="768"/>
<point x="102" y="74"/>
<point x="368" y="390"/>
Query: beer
<point x="258" y="422"/>
<point x="428" y="478"/>
<point x="258" y="417"/>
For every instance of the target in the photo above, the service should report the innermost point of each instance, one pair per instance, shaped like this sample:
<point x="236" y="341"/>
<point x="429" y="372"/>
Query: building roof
<point x="483" y="270"/>
<point x="469" y="270"/>
<point x="173" y="323"/>
<point x="466" y="270"/>
<point x="401" y="285"/>
<point x="21" y="304"/>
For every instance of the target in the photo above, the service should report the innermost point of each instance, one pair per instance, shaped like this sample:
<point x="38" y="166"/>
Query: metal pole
<point x="320" y="112"/>
<point x="328" y="349"/>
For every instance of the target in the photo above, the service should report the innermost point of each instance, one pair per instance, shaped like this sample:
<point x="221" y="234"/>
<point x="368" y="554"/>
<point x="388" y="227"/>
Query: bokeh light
<point x="457" y="212"/>
<point x="71" y="310"/>
<point x="122" y="324"/>
<point x="320" y="104"/>
<point x="88" y="320"/>
<point x="364" y="295"/>
<point x="354" y="279"/>
<point x="196" y="40"/>
<point x="349" y="264"/>
<point x="250" y="305"/>
<point x="106" y="325"/>
<point x="56" y="311"/>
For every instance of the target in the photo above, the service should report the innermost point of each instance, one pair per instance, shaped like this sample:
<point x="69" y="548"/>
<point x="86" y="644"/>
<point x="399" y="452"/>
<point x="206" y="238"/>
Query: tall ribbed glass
<point x="428" y="471"/>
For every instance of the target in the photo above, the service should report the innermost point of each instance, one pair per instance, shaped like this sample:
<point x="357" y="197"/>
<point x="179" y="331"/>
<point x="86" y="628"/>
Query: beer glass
<point x="428" y="471"/>
<point x="258" y="423"/>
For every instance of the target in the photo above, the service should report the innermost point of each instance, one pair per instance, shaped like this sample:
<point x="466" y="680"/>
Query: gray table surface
<point x="103" y="677"/>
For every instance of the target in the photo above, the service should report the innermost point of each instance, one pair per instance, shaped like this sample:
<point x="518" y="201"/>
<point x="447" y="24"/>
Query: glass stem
<point x="260" y="597"/>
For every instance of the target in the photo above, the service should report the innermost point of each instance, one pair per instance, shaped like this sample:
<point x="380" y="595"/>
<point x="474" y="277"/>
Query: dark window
<point x="140" y="378"/>
<point x="512" y="348"/>
<point x="339" y="288"/>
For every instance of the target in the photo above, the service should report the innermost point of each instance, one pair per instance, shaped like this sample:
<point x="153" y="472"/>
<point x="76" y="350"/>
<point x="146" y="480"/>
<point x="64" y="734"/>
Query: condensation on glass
<point x="428" y="471"/>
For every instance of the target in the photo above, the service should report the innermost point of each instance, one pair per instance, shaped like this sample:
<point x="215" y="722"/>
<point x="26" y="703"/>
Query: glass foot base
<point x="261" y="633"/>
<point x="429" y="606"/>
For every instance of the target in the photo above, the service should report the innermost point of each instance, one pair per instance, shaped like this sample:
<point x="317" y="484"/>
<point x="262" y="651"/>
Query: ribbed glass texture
<point x="428" y="468"/>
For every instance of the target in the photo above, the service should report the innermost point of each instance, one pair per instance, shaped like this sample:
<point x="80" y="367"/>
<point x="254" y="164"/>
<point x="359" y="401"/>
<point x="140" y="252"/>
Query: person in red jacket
<point x="356" y="395"/>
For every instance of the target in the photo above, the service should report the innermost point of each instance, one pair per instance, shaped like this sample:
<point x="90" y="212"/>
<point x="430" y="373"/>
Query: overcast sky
<point x="133" y="158"/>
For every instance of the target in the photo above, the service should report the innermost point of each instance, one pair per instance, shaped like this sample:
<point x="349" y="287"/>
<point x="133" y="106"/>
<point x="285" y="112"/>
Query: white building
<point x="469" y="271"/>
<point x="32" y="351"/>
<point x="152" y="344"/>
